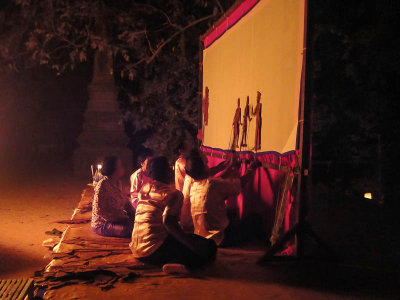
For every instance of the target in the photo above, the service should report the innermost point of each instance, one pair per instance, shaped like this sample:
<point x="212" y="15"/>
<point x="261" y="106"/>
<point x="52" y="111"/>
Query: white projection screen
<point x="262" y="51"/>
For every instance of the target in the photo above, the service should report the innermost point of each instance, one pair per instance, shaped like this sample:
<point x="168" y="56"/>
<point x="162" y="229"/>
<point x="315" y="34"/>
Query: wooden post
<point x="200" y="87"/>
<point x="305" y="183"/>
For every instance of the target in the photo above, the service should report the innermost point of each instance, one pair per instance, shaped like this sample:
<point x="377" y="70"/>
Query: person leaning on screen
<point x="207" y="194"/>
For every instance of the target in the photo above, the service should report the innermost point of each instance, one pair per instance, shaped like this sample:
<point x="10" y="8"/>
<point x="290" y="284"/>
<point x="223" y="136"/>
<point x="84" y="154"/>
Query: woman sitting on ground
<point x="112" y="213"/>
<point x="157" y="237"/>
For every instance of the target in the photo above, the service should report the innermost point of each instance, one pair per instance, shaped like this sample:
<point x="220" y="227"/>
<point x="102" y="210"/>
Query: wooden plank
<point x="19" y="293"/>
<point x="9" y="288"/>
<point x="5" y="287"/>
<point x="2" y="283"/>
<point x="6" y="292"/>
<point x="13" y="288"/>
<point x="18" y="290"/>
<point x="27" y="290"/>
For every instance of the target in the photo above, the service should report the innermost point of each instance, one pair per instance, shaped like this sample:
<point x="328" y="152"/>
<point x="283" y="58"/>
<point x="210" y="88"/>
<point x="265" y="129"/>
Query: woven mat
<point x="82" y="257"/>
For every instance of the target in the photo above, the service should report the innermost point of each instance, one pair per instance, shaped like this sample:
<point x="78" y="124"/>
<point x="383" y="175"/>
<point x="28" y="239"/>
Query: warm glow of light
<point x="234" y="66"/>
<point x="99" y="167"/>
<point x="368" y="195"/>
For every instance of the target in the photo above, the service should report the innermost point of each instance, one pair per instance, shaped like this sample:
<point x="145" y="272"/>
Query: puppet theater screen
<point x="256" y="52"/>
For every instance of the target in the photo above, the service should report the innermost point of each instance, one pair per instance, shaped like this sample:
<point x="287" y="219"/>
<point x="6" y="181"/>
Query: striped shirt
<point x="156" y="200"/>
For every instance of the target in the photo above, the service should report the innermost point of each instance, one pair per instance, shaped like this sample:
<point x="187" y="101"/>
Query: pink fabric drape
<point x="229" y="21"/>
<point x="260" y="196"/>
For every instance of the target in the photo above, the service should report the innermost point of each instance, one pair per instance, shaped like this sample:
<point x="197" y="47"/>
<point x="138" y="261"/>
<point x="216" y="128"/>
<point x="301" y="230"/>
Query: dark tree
<point x="154" y="45"/>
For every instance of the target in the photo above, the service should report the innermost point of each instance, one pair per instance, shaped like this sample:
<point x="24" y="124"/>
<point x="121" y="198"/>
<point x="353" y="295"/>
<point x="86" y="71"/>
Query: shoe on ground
<point x="175" y="269"/>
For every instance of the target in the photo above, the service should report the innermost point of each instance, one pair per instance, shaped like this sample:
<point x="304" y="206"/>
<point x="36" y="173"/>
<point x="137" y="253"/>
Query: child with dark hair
<point x="157" y="237"/>
<point x="112" y="214"/>
<point x="140" y="176"/>
<point x="186" y="216"/>
<point x="207" y="195"/>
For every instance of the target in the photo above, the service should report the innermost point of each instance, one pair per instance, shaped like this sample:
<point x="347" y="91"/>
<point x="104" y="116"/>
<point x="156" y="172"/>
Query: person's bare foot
<point x="175" y="269"/>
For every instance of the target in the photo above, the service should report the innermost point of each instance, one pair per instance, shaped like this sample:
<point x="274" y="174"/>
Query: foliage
<point x="354" y="65"/>
<point x="166" y="109"/>
<point x="146" y="38"/>
<point x="62" y="33"/>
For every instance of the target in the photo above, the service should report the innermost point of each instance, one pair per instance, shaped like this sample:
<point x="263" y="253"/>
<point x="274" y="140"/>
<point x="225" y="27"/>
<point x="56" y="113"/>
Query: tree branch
<point x="148" y="42"/>
<point x="160" y="11"/>
<point x="220" y="6"/>
<point x="163" y="44"/>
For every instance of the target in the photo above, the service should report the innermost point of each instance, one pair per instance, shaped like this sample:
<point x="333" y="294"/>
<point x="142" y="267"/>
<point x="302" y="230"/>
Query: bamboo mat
<point x="82" y="257"/>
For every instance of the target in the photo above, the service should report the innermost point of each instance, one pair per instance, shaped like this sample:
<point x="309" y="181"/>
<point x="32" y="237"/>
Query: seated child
<point x="139" y="177"/>
<point x="157" y="237"/>
<point x="207" y="196"/>
<point x="112" y="214"/>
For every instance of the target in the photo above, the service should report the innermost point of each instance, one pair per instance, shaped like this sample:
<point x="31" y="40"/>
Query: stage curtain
<point x="259" y="197"/>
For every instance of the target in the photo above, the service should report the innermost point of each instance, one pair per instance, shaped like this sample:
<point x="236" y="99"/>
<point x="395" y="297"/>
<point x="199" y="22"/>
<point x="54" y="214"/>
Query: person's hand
<point x="255" y="164"/>
<point x="235" y="163"/>
<point x="218" y="168"/>
<point x="222" y="165"/>
<point x="232" y="168"/>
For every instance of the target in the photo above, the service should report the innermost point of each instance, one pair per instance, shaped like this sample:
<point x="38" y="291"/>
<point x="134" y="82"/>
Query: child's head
<point x="112" y="167"/>
<point x="184" y="147"/>
<point x="195" y="167"/>
<point x="143" y="159"/>
<point x="160" y="170"/>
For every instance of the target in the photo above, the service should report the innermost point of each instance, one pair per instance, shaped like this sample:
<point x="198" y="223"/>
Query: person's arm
<point x="232" y="168"/>
<point x="130" y="211"/>
<point x="180" y="177"/>
<point x="177" y="173"/>
<point x="171" y="217"/>
<point x="228" y="187"/>
<point x="186" y="189"/>
<point x="228" y="183"/>
<point x="186" y="221"/>
<point x="134" y="187"/>
<point x="219" y="168"/>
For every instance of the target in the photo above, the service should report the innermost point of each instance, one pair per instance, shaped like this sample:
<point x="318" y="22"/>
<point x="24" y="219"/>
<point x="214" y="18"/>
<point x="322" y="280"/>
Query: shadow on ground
<point x="339" y="279"/>
<point x="13" y="261"/>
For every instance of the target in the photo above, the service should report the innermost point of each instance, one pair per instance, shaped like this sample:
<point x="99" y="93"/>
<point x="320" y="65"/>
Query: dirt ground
<point x="30" y="207"/>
